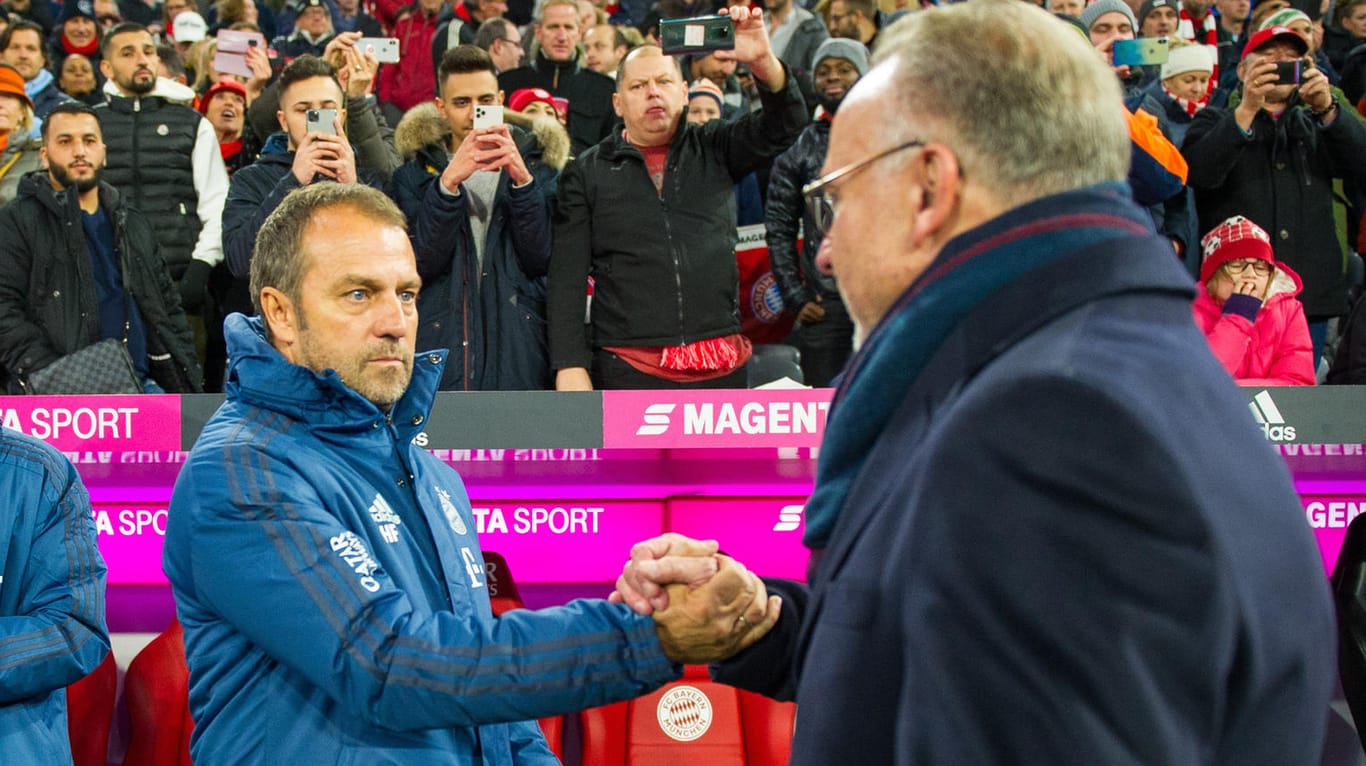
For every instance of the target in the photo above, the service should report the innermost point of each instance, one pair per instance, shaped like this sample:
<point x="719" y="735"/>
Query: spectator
<point x="1183" y="89"/>
<point x="18" y="149"/>
<point x="533" y="102"/>
<point x="479" y="203"/>
<point x="52" y="626"/>
<point x="224" y="105"/>
<point x="555" y="68"/>
<point x="503" y="42"/>
<point x="704" y="105"/>
<point x="164" y="158"/>
<point x="1158" y="18"/>
<point x="36" y="11"/>
<point x="76" y="32"/>
<point x="77" y="80"/>
<point x="190" y="29"/>
<point x="603" y="49"/>
<point x="458" y="24"/>
<point x="856" y="20"/>
<point x="795" y="33"/>
<point x="145" y="12"/>
<point x="1199" y="25"/>
<point x="1071" y="8"/>
<point x="287" y="161"/>
<point x="1248" y="308"/>
<point x="412" y="80"/>
<point x="1233" y="19"/>
<point x="353" y="18"/>
<point x="671" y="318"/>
<point x="79" y="264"/>
<point x="1346" y="32"/>
<point x="1299" y="23"/>
<point x="1272" y="158"/>
<point x="825" y="332"/>
<point x="1105" y="22"/>
<point x="379" y="645"/>
<point x="312" y="32"/>
<point x="21" y="46"/>
<point x="721" y="73"/>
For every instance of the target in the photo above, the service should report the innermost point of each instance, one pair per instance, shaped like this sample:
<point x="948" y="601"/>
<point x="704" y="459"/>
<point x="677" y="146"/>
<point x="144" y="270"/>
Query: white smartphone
<point x="385" y="48"/>
<point x="486" y="116"/>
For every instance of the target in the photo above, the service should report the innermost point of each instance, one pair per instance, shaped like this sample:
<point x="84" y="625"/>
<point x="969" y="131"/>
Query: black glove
<point x="194" y="286"/>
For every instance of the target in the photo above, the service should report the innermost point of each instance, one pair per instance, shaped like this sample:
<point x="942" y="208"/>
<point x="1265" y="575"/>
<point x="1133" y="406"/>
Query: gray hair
<point x="1019" y="95"/>
<point x="279" y="260"/>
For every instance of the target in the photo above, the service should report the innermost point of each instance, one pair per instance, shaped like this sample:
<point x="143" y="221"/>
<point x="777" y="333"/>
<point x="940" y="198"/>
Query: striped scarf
<point x="1190" y="107"/>
<point x="1210" y="28"/>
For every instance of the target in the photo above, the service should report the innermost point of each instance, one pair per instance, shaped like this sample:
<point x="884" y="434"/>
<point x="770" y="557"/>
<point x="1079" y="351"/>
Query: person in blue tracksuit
<point x="52" y="630"/>
<point x="326" y="569"/>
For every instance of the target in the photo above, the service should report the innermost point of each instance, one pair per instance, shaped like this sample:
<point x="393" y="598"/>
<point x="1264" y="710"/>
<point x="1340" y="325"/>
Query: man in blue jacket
<point x="327" y="570"/>
<point x="1044" y="528"/>
<point x="52" y="630"/>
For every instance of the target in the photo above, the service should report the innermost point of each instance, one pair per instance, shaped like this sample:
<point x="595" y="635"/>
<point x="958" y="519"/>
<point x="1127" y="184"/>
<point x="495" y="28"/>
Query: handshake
<point x="706" y="606"/>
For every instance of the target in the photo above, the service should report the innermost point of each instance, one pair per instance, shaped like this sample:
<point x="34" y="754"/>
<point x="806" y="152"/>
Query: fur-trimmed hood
<point x="423" y="126"/>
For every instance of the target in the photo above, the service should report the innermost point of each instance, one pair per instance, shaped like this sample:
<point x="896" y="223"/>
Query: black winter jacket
<point x="149" y="144"/>
<point x="491" y="315"/>
<point x="799" y="281"/>
<point x="1281" y="178"/>
<point x="663" y="264"/>
<point x="591" y="116"/>
<point x="48" y="305"/>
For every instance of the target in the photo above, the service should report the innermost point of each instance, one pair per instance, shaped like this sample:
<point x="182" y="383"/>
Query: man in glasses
<point x="649" y="215"/>
<point x="825" y="331"/>
<point x="1044" y="527"/>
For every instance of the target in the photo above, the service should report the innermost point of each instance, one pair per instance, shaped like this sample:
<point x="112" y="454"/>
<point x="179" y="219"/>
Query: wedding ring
<point x="360" y="68"/>
<point x="740" y="622"/>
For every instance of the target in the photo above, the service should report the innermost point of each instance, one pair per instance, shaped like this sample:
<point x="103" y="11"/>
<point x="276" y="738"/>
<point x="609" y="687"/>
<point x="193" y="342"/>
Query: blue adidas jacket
<point x="52" y="630"/>
<point x="332" y="590"/>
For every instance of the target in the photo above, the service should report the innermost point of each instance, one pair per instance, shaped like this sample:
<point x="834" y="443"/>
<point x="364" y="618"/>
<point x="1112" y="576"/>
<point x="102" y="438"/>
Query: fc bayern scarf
<point x="1209" y="29"/>
<point x="968" y="270"/>
<point x="1190" y="107"/>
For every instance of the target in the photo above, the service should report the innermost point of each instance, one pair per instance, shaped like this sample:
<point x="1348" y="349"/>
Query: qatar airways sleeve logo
<point x="656" y="420"/>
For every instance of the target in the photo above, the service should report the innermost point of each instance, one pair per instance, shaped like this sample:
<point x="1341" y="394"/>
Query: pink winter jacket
<point x="1275" y="350"/>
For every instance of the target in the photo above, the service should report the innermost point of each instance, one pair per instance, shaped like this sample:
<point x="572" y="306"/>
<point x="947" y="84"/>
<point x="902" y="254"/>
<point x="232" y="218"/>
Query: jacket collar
<point x="259" y="376"/>
<point x="37" y="185"/>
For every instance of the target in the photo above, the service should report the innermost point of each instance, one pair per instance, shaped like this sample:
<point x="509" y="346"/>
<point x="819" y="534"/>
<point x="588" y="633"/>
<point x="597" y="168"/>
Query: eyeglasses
<point x="1258" y="266"/>
<point x="821" y="205"/>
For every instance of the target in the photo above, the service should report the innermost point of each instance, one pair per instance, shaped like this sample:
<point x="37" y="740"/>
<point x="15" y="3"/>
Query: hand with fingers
<point x="718" y="618"/>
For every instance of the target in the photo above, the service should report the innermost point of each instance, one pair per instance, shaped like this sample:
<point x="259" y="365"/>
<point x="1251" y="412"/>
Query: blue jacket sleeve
<point x="52" y="632"/>
<point x="337" y="618"/>
<point x="529" y="747"/>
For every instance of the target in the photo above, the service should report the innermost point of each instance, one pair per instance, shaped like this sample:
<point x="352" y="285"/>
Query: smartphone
<point x="230" y="55"/>
<point x="699" y="34"/>
<point x="320" y="121"/>
<point x="385" y="48"/>
<point x="486" y="116"/>
<point x="1288" y="72"/>
<point x="1145" y="51"/>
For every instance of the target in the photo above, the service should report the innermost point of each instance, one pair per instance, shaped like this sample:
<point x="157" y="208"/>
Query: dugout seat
<point x="90" y="713"/>
<point x="691" y="721"/>
<point x="157" y="690"/>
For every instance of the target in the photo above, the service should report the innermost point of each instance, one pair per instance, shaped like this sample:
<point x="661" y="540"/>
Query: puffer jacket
<point x="799" y="281"/>
<point x="48" y="304"/>
<point x="663" y="263"/>
<point x="1274" y="350"/>
<point x="378" y="644"/>
<point x="490" y="313"/>
<point x="20" y="157"/>
<point x="52" y="628"/>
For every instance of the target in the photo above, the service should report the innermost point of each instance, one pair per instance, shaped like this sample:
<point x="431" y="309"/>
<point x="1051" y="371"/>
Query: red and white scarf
<point x="1191" y="107"/>
<point x="1209" y="29"/>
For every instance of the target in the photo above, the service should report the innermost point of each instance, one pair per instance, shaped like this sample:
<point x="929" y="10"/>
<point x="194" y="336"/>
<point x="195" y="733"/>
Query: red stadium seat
<point x="690" y="721"/>
<point x="90" y="712"/>
<point x="503" y="597"/>
<point x="157" y="689"/>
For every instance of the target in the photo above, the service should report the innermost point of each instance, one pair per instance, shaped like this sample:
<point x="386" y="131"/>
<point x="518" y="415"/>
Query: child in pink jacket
<point x="1248" y="308"/>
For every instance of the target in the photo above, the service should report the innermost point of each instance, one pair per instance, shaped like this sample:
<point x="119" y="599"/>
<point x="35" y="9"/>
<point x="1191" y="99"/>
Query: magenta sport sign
<point x="96" y="423"/>
<point x="714" y="418"/>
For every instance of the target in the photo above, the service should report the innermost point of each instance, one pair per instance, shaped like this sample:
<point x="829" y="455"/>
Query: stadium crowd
<point x="586" y="237"/>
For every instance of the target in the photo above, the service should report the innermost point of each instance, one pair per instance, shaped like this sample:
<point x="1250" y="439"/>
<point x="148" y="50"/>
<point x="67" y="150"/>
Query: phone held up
<point x="1289" y="72"/>
<point x="385" y="49"/>
<point x="1144" y="51"/>
<point x="320" y="121"/>
<point x="486" y="116"/>
<point x="699" y="34"/>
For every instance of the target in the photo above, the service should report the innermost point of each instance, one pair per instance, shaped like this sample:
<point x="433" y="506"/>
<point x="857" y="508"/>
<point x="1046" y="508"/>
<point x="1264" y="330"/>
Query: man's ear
<point x="282" y="319"/>
<point x="936" y="196"/>
<point x="616" y="103"/>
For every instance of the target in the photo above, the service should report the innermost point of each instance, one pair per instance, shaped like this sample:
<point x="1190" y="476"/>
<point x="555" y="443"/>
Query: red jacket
<point x="412" y="80"/>
<point x="1275" y="350"/>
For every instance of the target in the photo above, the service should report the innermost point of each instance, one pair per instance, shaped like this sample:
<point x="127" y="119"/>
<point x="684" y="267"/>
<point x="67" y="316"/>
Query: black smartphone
<point x="698" y="34"/>
<point x="1288" y="72"/>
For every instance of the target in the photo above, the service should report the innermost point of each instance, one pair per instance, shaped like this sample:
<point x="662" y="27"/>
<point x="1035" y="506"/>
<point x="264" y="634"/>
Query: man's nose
<point x="824" y="263"/>
<point x="393" y="319"/>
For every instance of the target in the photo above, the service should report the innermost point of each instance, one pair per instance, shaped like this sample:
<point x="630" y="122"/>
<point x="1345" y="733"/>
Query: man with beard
<point x="21" y="46"/>
<point x="164" y="158"/>
<point x="825" y="331"/>
<point x="78" y="265"/>
<point x="306" y="488"/>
